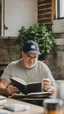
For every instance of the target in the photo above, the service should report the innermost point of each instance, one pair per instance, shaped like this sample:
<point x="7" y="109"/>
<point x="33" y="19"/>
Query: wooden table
<point x="33" y="100"/>
<point x="33" y="108"/>
<point x="36" y="101"/>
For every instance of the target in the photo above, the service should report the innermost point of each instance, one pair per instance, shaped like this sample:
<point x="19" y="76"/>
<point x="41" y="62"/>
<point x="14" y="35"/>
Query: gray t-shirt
<point x="35" y="74"/>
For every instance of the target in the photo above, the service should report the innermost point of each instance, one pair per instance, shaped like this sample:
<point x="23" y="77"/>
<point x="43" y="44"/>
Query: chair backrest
<point x="1" y="71"/>
<point x="60" y="89"/>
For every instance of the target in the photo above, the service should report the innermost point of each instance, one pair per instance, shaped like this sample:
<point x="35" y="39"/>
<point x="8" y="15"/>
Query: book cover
<point x="24" y="87"/>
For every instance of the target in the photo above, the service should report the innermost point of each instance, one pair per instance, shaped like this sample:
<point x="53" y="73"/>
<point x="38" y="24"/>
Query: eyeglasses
<point x="31" y="57"/>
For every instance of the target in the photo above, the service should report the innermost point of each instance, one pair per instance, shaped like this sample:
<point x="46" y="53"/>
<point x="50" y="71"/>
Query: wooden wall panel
<point x="46" y="11"/>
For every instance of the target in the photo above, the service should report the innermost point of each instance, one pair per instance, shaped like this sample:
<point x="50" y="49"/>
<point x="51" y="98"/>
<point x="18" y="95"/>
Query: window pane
<point x="61" y="8"/>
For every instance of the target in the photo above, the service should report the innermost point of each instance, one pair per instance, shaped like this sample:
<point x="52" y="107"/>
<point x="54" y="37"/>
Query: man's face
<point x="29" y="60"/>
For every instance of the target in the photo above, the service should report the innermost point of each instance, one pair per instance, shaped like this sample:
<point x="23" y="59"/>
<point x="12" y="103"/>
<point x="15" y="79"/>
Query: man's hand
<point x="12" y="89"/>
<point x="49" y="86"/>
<point x="46" y="84"/>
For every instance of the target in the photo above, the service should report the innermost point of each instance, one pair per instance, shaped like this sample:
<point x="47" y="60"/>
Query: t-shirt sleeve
<point x="47" y="73"/>
<point x="7" y="72"/>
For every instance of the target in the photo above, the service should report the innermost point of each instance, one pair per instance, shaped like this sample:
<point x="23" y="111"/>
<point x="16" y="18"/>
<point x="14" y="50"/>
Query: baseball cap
<point x="31" y="47"/>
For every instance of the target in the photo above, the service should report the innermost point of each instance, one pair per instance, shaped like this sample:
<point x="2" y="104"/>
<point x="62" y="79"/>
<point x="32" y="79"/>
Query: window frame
<point x="58" y="10"/>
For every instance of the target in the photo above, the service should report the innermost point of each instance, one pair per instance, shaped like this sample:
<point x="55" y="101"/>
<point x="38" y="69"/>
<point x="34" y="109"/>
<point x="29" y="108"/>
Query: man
<point x="28" y="68"/>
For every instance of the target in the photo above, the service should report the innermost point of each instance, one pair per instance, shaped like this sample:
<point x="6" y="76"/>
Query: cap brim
<point x="33" y="52"/>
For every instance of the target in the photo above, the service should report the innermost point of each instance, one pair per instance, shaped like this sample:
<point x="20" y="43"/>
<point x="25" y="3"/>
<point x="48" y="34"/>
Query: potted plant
<point x="40" y="34"/>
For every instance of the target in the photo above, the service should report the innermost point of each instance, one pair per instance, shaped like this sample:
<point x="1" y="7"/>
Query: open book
<point x="32" y="95"/>
<point x="24" y="87"/>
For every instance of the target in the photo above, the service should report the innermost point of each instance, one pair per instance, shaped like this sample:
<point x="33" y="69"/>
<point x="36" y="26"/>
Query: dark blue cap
<point x="31" y="47"/>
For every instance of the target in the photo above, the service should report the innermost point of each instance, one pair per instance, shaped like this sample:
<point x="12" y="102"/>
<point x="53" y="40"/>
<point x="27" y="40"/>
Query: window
<point x="60" y="9"/>
<point x="1" y="17"/>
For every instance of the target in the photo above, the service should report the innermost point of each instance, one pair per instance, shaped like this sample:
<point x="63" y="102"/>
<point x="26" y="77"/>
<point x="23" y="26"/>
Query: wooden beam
<point x="46" y="11"/>
<point x="53" y="10"/>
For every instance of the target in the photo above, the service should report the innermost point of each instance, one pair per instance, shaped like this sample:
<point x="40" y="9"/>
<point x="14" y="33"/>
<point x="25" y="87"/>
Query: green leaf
<point x="40" y="34"/>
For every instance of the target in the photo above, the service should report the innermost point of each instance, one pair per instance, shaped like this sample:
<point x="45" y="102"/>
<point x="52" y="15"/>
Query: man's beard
<point x="29" y="66"/>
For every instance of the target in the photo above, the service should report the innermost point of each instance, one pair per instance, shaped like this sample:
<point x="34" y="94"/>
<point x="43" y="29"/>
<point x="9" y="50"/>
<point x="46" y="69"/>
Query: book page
<point x="33" y="95"/>
<point x="33" y="83"/>
<point x="16" y="95"/>
<point x="39" y="94"/>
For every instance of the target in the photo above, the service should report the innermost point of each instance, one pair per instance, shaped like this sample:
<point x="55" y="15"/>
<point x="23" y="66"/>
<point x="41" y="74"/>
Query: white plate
<point x="2" y="97"/>
<point x="2" y="111"/>
<point x="3" y="101"/>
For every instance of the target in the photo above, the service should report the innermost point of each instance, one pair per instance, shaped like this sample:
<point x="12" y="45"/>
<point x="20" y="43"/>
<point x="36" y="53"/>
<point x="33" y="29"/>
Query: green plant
<point x="40" y="34"/>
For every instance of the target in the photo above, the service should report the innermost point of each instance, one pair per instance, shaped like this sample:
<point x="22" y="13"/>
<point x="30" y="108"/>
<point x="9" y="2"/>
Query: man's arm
<point x="6" y="88"/>
<point x="4" y="83"/>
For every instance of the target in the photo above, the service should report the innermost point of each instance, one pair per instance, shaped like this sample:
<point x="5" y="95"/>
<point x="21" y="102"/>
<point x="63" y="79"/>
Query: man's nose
<point x="31" y="59"/>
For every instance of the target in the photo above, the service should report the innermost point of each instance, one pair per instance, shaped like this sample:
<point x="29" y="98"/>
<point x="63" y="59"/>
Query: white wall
<point x="19" y="13"/>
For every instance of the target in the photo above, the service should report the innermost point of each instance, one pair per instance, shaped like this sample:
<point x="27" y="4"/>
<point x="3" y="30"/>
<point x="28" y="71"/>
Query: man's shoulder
<point x="15" y="62"/>
<point x="40" y="62"/>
